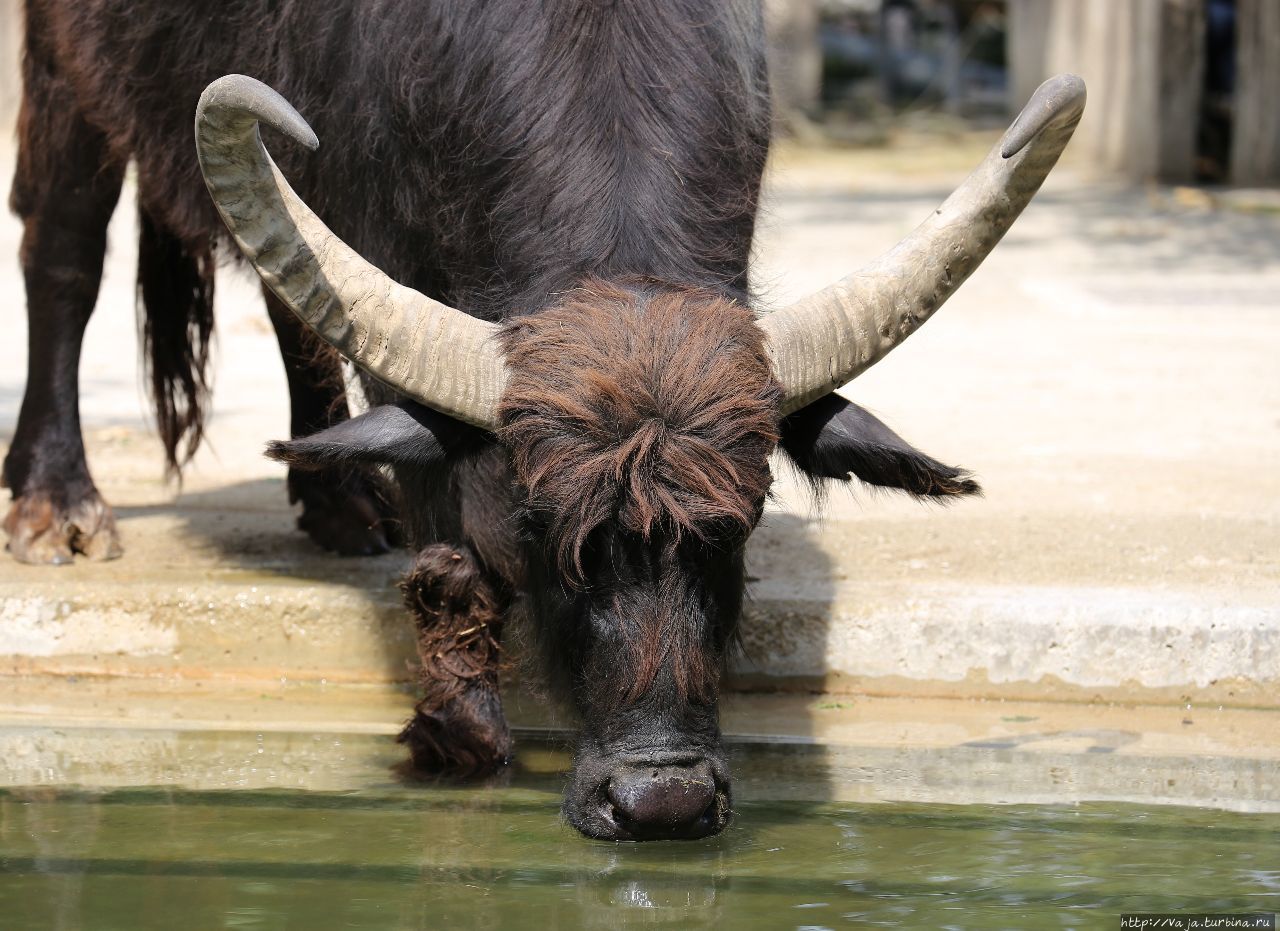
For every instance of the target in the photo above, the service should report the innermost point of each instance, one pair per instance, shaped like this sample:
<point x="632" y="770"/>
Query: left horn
<point x="429" y="351"/>
<point x="829" y="338"/>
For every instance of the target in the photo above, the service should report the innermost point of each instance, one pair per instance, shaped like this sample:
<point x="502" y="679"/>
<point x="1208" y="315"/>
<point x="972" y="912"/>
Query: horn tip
<point x="1061" y="95"/>
<point x="241" y="92"/>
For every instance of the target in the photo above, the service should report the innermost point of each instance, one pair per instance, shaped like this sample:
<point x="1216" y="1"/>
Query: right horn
<point x="426" y="350"/>
<point x="829" y="338"/>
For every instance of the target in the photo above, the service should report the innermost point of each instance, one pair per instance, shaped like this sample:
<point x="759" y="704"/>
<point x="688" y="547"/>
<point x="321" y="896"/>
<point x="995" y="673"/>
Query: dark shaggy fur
<point x="518" y="146"/>
<point x="175" y="290"/>
<point x="654" y="409"/>
<point x="458" y="724"/>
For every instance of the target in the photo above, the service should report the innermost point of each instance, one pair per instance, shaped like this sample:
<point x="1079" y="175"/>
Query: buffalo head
<point x="637" y="420"/>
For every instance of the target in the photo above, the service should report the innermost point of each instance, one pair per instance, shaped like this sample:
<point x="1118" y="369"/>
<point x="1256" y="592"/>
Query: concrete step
<point x="218" y="585"/>
<point x="130" y="732"/>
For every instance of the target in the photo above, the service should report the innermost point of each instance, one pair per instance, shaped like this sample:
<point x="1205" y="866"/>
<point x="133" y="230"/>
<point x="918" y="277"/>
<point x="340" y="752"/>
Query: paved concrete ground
<point x="1110" y="373"/>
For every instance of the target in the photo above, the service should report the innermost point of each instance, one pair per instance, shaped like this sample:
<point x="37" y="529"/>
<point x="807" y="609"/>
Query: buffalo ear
<point x="400" y="434"/>
<point x="835" y="439"/>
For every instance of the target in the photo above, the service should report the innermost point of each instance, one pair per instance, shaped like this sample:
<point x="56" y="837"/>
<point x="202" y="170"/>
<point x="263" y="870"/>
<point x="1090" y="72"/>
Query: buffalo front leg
<point x="65" y="191"/>
<point x="344" y="510"/>
<point x="458" y="727"/>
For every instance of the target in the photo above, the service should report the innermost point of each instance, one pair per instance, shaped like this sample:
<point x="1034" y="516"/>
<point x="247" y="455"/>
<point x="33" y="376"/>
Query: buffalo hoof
<point x="467" y="737"/>
<point x="44" y="534"/>
<point x="343" y="515"/>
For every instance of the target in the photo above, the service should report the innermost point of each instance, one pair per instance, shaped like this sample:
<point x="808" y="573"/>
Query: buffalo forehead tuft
<point x="653" y="407"/>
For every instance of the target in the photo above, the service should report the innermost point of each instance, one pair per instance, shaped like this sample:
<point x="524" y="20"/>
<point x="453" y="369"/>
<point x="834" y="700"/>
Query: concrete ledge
<point x="309" y="631"/>
<point x="338" y="738"/>
<point x="1021" y="642"/>
<point x="1028" y="642"/>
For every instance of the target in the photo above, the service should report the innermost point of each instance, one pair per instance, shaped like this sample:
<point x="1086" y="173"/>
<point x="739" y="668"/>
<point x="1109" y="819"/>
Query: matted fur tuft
<point x="656" y="408"/>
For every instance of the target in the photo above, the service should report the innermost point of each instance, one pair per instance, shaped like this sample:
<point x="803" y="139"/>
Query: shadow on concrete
<point x="249" y="527"/>
<point x="1167" y="229"/>
<point x="784" y="633"/>
<point x="1164" y="233"/>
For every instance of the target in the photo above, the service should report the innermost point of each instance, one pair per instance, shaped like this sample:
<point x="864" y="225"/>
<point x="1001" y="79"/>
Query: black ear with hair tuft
<point x="833" y="439"/>
<point x="400" y="434"/>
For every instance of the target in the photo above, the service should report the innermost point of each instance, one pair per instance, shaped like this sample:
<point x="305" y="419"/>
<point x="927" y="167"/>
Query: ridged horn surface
<point x="424" y="349"/>
<point x="829" y="338"/>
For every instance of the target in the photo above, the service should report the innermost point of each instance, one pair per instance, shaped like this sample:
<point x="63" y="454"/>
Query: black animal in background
<point x="539" y="222"/>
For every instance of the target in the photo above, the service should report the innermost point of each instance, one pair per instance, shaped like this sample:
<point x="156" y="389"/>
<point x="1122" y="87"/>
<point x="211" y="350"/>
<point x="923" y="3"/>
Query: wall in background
<point x="1179" y="90"/>
<point x="10" y="83"/>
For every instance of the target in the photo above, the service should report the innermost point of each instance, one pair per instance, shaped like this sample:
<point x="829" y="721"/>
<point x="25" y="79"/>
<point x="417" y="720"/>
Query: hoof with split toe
<point x="42" y="533"/>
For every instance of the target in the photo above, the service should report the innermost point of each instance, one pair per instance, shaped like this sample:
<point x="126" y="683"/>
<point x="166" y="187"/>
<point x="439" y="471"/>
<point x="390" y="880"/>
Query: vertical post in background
<point x="952" y="58"/>
<point x="1255" y="147"/>
<point x="1028" y="50"/>
<point x="795" y="62"/>
<point x="1115" y="48"/>
<point x="897" y="40"/>
<point x="10" y="61"/>
<point x="1180" y="66"/>
<point x="1144" y="63"/>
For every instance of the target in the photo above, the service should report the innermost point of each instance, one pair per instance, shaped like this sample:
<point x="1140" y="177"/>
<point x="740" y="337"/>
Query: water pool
<point x="382" y="851"/>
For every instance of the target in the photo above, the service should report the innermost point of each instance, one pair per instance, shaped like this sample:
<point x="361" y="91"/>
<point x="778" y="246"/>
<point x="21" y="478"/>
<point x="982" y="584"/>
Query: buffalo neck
<point x="610" y="140"/>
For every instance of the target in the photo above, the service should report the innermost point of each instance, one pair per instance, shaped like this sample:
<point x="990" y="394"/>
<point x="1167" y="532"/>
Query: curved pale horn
<point x="426" y="350"/>
<point x="829" y="338"/>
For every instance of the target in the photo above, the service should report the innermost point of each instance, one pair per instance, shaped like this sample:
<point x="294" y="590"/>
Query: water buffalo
<point x="539" y="221"/>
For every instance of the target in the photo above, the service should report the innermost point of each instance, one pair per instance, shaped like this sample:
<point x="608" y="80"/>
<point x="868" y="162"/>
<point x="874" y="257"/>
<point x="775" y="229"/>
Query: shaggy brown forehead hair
<point x="656" y="408"/>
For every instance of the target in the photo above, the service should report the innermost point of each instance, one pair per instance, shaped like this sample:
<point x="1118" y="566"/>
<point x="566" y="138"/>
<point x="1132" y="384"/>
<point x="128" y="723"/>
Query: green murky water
<point x="394" y="854"/>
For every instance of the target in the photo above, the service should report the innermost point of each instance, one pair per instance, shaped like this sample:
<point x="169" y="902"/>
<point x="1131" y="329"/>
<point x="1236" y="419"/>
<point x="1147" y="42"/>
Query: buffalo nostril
<point x="664" y="801"/>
